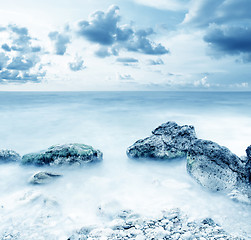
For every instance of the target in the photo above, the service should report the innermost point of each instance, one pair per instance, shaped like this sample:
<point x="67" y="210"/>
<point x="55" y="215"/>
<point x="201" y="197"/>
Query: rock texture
<point x="173" y="224"/>
<point x="248" y="164"/>
<point x="67" y="154"/>
<point x="168" y="141"/>
<point x="43" y="177"/>
<point x="214" y="166"/>
<point x="9" y="156"/>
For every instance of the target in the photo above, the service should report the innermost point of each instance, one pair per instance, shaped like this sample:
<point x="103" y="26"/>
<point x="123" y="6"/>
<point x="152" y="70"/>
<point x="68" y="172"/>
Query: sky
<point x="125" y="45"/>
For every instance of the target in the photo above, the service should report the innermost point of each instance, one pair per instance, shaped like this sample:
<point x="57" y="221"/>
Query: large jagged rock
<point x="66" y="154"/>
<point x="43" y="177"/>
<point x="168" y="141"/>
<point x="214" y="166"/>
<point x="9" y="156"/>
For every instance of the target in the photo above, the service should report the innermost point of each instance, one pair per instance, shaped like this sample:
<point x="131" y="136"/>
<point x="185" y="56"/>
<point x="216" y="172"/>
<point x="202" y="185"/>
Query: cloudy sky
<point x="125" y="45"/>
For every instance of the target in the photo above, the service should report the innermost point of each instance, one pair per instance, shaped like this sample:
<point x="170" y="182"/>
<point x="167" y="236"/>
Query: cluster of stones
<point x="213" y="166"/>
<point x="58" y="155"/>
<point x="171" y="225"/>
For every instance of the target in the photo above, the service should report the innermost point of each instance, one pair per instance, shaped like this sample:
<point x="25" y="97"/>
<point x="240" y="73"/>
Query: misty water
<point x="112" y="121"/>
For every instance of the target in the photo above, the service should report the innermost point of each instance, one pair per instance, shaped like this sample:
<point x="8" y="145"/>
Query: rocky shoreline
<point x="213" y="166"/>
<point x="171" y="224"/>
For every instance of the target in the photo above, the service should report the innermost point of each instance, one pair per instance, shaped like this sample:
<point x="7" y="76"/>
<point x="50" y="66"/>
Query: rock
<point x="241" y="196"/>
<point x="154" y="228"/>
<point x="248" y="164"/>
<point x="214" y="166"/>
<point x="43" y="177"/>
<point x="67" y="154"/>
<point x="9" y="156"/>
<point x="248" y="151"/>
<point x="168" y="141"/>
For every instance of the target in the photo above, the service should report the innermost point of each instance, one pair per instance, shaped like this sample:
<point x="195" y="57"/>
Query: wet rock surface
<point x="214" y="166"/>
<point x="9" y="156"/>
<point x="43" y="177"/>
<point x="66" y="154"/>
<point x="172" y="224"/>
<point x="168" y="141"/>
<point x="248" y="164"/>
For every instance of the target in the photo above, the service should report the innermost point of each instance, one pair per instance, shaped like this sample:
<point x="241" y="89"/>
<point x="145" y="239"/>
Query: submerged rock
<point x="214" y="166"/>
<point x="43" y="177"/>
<point x="66" y="154"/>
<point x="9" y="156"/>
<point x="168" y="141"/>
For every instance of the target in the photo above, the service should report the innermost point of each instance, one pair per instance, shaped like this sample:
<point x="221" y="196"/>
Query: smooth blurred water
<point x="111" y="121"/>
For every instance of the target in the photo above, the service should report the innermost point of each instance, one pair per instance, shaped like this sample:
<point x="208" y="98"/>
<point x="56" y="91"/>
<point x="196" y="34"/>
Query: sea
<point x="111" y="122"/>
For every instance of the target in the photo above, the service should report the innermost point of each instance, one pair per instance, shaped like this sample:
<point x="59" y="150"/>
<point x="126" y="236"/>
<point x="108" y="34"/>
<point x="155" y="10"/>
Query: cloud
<point x="202" y="83"/>
<point x="60" y="40"/>
<point x="20" y="77"/>
<point x="6" y="47"/>
<point x="158" y="61"/>
<point x="125" y="77"/>
<point x="77" y="64"/>
<point x="140" y="43"/>
<point x="103" y="28"/>
<point x="103" y="52"/>
<point x="227" y="26"/>
<point x="204" y="12"/>
<point x="127" y="60"/>
<point x="3" y="60"/>
<point x="172" y="5"/>
<point x="230" y="40"/>
<point x="19" y="61"/>
<point x="22" y="64"/>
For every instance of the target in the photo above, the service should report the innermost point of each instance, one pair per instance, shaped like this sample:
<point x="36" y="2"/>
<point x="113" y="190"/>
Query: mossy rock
<point x="66" y="154"/>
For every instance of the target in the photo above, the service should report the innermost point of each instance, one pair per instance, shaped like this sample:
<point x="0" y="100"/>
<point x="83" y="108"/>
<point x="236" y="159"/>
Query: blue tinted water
<point x="111" y="121"/>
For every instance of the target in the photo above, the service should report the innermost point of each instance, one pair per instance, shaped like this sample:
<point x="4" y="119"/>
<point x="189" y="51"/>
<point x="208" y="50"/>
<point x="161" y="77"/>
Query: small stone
<point x="43" y="177"/>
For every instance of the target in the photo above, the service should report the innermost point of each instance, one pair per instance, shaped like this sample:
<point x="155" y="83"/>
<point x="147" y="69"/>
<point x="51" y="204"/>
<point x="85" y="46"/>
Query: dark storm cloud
<point x="60" y="40"/>
<point x="6" y="47"/>
<point x="77" y="65"/>
<point x="103" y="28"/>
<point x="127" y="60"/>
